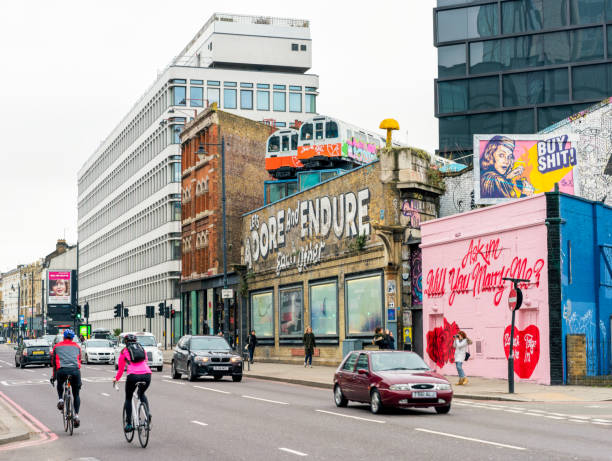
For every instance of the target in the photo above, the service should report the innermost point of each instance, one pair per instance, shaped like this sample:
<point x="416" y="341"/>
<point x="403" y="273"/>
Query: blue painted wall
<point x="586" y="280"/>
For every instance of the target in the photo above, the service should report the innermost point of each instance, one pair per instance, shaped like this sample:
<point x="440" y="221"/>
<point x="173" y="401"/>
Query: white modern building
<point x="11" y="281"/>
<point x="129" y="206"/>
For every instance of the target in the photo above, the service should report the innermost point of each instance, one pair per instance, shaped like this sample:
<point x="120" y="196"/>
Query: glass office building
<point x="517" y="66"/>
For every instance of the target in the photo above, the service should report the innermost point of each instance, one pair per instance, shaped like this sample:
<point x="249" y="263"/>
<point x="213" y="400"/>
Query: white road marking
<point x="514" y="411"/>
<point x="557" y="414"/>
<point x="6" y="363"/>
<point x="578" y="421"/>
<point x="29" y="371"/>
<point x="554" y="417"/>
<point x="537" y="411"/>
<point x="4" y="383"/>
<point x="289" y="450"/>
<point x="594" y="406"/>
<point x="601" y="420"/>
<point x="199" y="422"/>
<point x="167" y="376"/>
<point x="503" y="445"/>
<point x="173" y="382"/>
<point x="533" y="414"/>
<point x="211" y="389"/>
<point x="105" y="394"/>
<point x="264" y="400"/>
<point x="352" y="417"/>
<point x="602" y="424"/>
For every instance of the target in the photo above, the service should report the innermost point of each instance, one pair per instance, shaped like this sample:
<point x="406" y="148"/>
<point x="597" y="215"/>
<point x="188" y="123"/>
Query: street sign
<point x="227" y="293"/>
<point x="515" y="299"/>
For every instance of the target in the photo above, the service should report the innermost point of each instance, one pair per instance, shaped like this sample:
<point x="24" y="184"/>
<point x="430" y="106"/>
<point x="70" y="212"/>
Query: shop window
<point x="262" y="314"/>
<point x="364" y="304"/>
<point x="324" y="308"/>
<point x="291" y="311"/>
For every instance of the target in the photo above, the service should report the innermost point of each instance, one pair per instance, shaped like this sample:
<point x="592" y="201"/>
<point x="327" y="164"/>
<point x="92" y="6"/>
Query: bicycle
<point x="68" y="411"/>
<point x="144" y="422"/>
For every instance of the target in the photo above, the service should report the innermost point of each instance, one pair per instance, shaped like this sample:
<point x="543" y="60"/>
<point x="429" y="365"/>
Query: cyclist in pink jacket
<point x="137" y="370"/>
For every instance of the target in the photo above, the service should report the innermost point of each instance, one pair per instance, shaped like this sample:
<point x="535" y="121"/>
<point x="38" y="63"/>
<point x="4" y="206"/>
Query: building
<point x="129" y="191"/>
<point x="56" y="314"/>
<point x="32" y="283"/>
<point x="563" y="245"/>
<point x="516" y="66"/>
<point x="337" y="257"/>
<point x="202" y="215"/>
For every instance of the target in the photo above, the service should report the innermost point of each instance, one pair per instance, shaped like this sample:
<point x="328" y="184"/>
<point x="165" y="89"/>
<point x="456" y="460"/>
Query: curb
<point x="11" y="419"/>
<point x="14" y="437"/>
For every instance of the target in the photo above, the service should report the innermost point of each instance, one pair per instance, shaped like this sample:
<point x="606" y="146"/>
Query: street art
<point x="440" y="343"/>
<point x="584" y="325"/>
<point x="525" y="348"/>
<point x="481" y="270"/>
<point x="417" y="276"/>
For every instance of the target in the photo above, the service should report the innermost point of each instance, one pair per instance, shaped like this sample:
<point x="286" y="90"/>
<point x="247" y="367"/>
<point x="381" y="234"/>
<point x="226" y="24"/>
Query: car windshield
<point x="146" y="340"/>
<point x="385" y="361"/>
<point x="48" y="338"/>
<point x="60" y="338"/>
<point x="217" y="344"/>
<point x="35" y="342"/>
<point x="98" y="343"/>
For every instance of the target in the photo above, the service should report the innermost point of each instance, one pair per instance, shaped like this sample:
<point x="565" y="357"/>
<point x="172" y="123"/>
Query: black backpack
<point x="136" y="352"/>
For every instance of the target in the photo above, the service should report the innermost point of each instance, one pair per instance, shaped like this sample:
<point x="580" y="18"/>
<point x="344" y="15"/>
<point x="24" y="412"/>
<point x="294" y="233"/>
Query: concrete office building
<point x="517" y="66"/>
<point x="129" y="202"/>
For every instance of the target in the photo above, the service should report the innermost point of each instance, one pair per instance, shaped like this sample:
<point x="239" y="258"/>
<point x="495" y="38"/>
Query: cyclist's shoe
<point x="77" y="421"/>
<point x="60" y="405"/>
<point x="128" y="428"/>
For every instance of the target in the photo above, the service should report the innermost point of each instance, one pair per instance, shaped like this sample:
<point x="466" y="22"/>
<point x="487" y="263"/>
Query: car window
<point x="181" y="343"/>
<point x="350" y="362"/>
<point x="146" y="340"/>
<point x="35" y="342"/>
<point x="382" y="361"/>
<point x="214" y="343"/>
<point x="98" y="343"/>
<point x="362" y="363"/>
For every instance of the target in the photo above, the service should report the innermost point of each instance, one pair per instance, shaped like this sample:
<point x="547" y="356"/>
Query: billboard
<point x="60" y="287"/>
<point x="518" y="165"/>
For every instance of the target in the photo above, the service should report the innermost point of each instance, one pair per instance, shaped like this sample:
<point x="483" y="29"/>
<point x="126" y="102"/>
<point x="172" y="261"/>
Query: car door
<point x="182" y="354"/>
<point x="346" y="375"/>
<point x="361" y="381"/>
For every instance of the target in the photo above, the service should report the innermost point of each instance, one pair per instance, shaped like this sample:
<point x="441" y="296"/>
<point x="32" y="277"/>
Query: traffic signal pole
<point x="122" y="316"/>
<point x="519" y="301"/>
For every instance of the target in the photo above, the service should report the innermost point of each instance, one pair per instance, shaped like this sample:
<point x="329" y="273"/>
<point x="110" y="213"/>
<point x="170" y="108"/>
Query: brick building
<point x="201" y="209"/>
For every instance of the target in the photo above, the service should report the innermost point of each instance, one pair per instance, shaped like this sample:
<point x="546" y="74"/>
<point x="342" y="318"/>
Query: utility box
<point x="350" y="345"/>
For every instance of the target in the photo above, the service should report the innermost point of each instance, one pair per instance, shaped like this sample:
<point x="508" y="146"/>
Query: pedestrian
<point x="309" y="347"/>
<point x="251" y="343"/>
<point x="460" y="344"/>
<point x="390" y="339"/>
<point x="220" y="333"/>
<point x="82" y="338"/>
<point x="379" y="338"/>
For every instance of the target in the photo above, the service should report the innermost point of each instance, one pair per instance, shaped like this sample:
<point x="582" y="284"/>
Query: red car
<point x="390" y="379"/>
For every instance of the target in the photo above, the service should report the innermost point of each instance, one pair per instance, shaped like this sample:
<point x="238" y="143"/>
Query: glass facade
<point x="517" y="66"/>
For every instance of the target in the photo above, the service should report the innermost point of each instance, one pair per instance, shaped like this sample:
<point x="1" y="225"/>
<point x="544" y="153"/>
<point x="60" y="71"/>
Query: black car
<point x="197" y="356"/>
<point x="32" y="352"/>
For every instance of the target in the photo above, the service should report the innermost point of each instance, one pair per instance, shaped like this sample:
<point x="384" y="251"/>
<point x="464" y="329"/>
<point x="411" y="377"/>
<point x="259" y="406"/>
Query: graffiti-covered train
<point x="320" y="142"/>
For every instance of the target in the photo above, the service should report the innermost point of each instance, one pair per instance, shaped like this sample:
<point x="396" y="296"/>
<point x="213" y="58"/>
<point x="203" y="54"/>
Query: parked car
<point x="97" y="351"/>
<point x="205" y="356"/>
<point x="2" y="339"/>
<point x="32" y="352"/>
<point x="155" y="357"/>
<point x="49" y="338"/>
<point x="390" y="379"/>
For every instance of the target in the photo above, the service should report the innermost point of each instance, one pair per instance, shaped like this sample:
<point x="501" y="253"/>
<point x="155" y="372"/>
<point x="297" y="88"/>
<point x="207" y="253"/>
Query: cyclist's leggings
<point x="130" y="387"/>
<point x="62" y="375"/>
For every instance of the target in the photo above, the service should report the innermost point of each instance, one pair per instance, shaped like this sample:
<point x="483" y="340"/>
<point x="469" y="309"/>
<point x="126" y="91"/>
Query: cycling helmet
<point x="68" y="334"/>
<point x="130" y="338"/>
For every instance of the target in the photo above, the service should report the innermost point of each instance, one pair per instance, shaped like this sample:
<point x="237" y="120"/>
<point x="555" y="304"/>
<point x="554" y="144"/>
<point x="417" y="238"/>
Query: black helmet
<point x="130" y="338"/>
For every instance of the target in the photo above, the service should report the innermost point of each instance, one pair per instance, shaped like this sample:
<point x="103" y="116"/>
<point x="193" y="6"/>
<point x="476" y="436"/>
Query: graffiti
<point x="525" y="349"/>
<point x="440" y="343"/>
<point x="481" y="271"/>
<point x="410" y="211"/>
<point x="324" y="150"/>
<point x="584" y="325"/>
<point x="417" y="276"/>
<point x="395" y="208"/>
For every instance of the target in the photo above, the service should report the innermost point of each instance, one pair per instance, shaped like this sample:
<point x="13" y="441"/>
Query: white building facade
<point x="129" y="202"/>
<point x="10" y="295"/>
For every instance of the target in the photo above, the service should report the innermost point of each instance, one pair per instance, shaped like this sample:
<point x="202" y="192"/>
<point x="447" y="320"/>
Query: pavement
<point x="12" y="427"/>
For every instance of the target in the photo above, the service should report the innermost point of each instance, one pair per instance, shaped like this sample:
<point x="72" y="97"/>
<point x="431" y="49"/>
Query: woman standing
<point x="251" y="343"/>
<point x="460" y="344"/>
<point x="309" y="346"/>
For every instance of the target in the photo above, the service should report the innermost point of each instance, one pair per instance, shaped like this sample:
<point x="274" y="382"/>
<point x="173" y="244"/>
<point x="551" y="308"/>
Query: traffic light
<point x="86" y="310"/>
<point x="150" y="312"/>
<point x="162" y="309"/>
<point x="172" y="313"/>
<point x="126" y="312"/>
<point x="117" y="310"/>
<point x="167" y="312"/>
<point x="77" y="313"/>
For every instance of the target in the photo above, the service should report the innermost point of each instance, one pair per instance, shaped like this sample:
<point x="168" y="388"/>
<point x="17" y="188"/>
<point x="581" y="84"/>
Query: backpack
<point x="136" y="352"/>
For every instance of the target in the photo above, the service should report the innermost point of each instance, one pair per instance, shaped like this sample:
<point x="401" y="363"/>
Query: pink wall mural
<point x="465" y="258"/>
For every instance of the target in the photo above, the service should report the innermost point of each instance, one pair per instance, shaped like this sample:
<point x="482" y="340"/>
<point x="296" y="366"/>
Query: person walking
<point x="380" y="339"/>
<point x="309" y="347"/>
<point x="251" y="344"/>
<point x="390" y="339"/>
<point x="460" y="344"/>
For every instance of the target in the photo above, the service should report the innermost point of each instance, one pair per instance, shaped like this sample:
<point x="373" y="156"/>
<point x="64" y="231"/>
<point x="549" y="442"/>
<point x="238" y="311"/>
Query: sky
<point x="71" y="70"/>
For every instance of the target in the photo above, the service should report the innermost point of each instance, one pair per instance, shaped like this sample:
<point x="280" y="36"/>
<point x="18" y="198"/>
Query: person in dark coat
<point x="309" y="347"/>
<point x="380" y="339"/>
<point x="251" y="343"/>
<point x="390" y="340"/>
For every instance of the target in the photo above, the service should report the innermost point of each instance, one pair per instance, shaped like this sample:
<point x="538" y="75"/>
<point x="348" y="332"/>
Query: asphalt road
<point x="262" y="420"/>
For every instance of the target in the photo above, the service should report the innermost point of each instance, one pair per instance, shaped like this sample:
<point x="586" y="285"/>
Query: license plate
<point x="38" y="352"/>
<point x="220" y="368"/>
<point x="424" y="395"/>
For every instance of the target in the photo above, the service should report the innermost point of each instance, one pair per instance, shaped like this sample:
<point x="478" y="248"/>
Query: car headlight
<point x="399" y="387"/>
<point x="202" y="359"/>
<point x="443" y="387"/>
<point x="236" y="358"/>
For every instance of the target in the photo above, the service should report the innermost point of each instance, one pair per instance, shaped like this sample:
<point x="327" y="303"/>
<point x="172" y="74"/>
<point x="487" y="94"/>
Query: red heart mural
<point x="526" y="349"/>
<point x="440" y="343"/>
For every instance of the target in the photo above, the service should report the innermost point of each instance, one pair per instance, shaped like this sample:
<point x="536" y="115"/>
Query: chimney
<point x="60" y="246"/>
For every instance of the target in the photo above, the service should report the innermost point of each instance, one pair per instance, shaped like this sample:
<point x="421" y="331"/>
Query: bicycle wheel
<point x="70" y="416"/>
<point x="143" y="425"/>
<point x="129" y="436"/>
<point x="65" y="413"/>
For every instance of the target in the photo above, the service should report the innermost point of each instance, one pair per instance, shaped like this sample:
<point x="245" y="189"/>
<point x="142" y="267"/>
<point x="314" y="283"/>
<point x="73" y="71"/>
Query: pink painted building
<point x="464" y="259"/>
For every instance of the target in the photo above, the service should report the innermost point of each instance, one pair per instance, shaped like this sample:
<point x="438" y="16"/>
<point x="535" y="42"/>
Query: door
<point x="183" y="353"/>
<point x="361" y="381"/>
<point x="346" y="376"/>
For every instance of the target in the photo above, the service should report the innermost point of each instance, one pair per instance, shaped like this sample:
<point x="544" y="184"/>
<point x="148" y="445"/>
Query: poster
<point x="515" y="166"/>
<point x="364" y="305"/>
<point x="324" y="309"/>
<point x="262" y="314"/>
<point x="59" y="287"/>
<point x="291" y="308"/>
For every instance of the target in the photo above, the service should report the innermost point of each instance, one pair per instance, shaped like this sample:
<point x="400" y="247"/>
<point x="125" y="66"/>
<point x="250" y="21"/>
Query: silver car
<point x="97" y="351"/>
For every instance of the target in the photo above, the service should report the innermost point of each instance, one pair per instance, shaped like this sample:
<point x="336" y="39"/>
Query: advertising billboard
<point x="60" y="287"/>
<point x="513" y="166"/>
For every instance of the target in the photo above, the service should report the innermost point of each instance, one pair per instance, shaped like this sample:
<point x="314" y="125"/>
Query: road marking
<point x="289" y="450"/>
<point x="557" y="414"/>
<point x="578" y="421"/>
<point x="601" y="420"/>
<point x="173" y="382"/>
<point x="264" y="400"/>
<point x="4" y="383"/>
<point x="199" y="422"/>
<point x="537" y="411"/>
<point x="351" y="416"/>
<point x="514" y="411"/>
<point x="602" y="424"/>
<point x="211" y="389"/>
<point x="554" y="417"/>
<point x="105" y="394"/>
<point x="533" y="414"/>
<point x="167" y="376"/>
<point x="29" y="371"/>
<point x="503" y="445"/>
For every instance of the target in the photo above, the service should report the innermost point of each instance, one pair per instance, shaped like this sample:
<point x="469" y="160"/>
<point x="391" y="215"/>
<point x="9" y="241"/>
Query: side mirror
<point x="362" y="371"/>
<point x="159" y="345"/>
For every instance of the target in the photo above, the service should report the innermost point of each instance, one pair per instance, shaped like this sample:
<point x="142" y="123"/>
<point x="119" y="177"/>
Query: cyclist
<point x="137" y="370"/>
<point x="67" y="362"/>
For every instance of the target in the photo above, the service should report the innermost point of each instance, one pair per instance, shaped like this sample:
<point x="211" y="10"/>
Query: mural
<point x="525" y="348"/>
<point x="585" y="325"/>
<point x="440" y="343"/>
<point x="417" y="276"/>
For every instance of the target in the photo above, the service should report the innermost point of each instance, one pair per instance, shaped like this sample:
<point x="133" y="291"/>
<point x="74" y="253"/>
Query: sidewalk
<point x="12" y="428"/>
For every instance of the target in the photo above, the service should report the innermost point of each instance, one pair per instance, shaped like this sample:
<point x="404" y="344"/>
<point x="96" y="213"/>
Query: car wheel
<point x="443" y="410"/>
<point x="339" y="397"/>
<point x="175" y="374"/>
<point x="376" y="405"/>
<point x="21" y="364"/>
<point x="86" y="360"/>
<point x="192" y="374"/>
<point x="160" y="368"/>
<point x="217" y="377"/>
<point x="16" y="363"/>
<point x="237" y="379"/>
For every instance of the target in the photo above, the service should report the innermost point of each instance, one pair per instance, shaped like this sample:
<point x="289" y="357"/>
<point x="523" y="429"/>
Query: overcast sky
<point x="70" y="70"/>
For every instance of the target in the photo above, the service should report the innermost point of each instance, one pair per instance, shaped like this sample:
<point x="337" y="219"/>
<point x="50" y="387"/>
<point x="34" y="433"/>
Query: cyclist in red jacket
<point x="67" y="362"/>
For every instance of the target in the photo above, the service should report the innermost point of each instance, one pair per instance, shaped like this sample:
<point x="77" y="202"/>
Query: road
<point x="263" y="420"/>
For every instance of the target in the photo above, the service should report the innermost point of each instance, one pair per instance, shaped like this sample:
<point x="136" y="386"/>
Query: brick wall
<point x="576" y="357"/>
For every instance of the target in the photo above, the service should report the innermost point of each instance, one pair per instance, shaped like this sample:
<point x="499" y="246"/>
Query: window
<point x="349" y="365"/>
<point x="176" y="172"/>
<point x="586" y="11"/>
<point x="176" y="249"/>
<point x="263" y="100"/>
<point x="230" y="84"/>
<point x="609" y="32"/>
<point x="474" y="22"/>
<point x="279" y="87"/>
<point x="262" y="314"/>
<point x="196" y="82"/>
<point x="280" y="124"/>
<point x="533" y="15"/>
<point x="362" y="362"/>
<point x="246" y="85"/>
<point x="285" y="143"/>
<point x="451" y="61"/>
<point x="274" y="144"/>
<point x="483" y="93"/>
<point x="176" y="211"/>
<point x="295" y="88"/>
<point x="263" y="86"/>
<point x="319" y="130"/>
<point x="323" y="298"/>
<point x="294" y="142"/>
<point x="302" y="47"/>
<point x="196" y="96"/>
<point x="485" y="56"/>
<point x="587" y="44"/>
<point x="331" y="129"/>
<point x="213" y="95"/>
<point x="306" y="131"/>
<point x="229" y="98"/>
<point x="294" y="47"/>
<point x="178" y="80"/>
<point x="213" y="82"/>
<point x="452" y="96"/>
<point x="246" y="99"/>
<point x="290" y="311"/>
<point x="280" y="101"/>
<point x="310" y="88"/>
<point x="363" y="304"/>
<point x="179" y="95"/>
<point x="311" y="103"/>
<point x="454" y="132"/>
<point x="535" y="87"/>
<point x="176" y="133"/>
<point x="295" y="102"/>
<point x="592" y="82"/>
<point x="518" y="121"/>
<point x="549" y="115"/>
